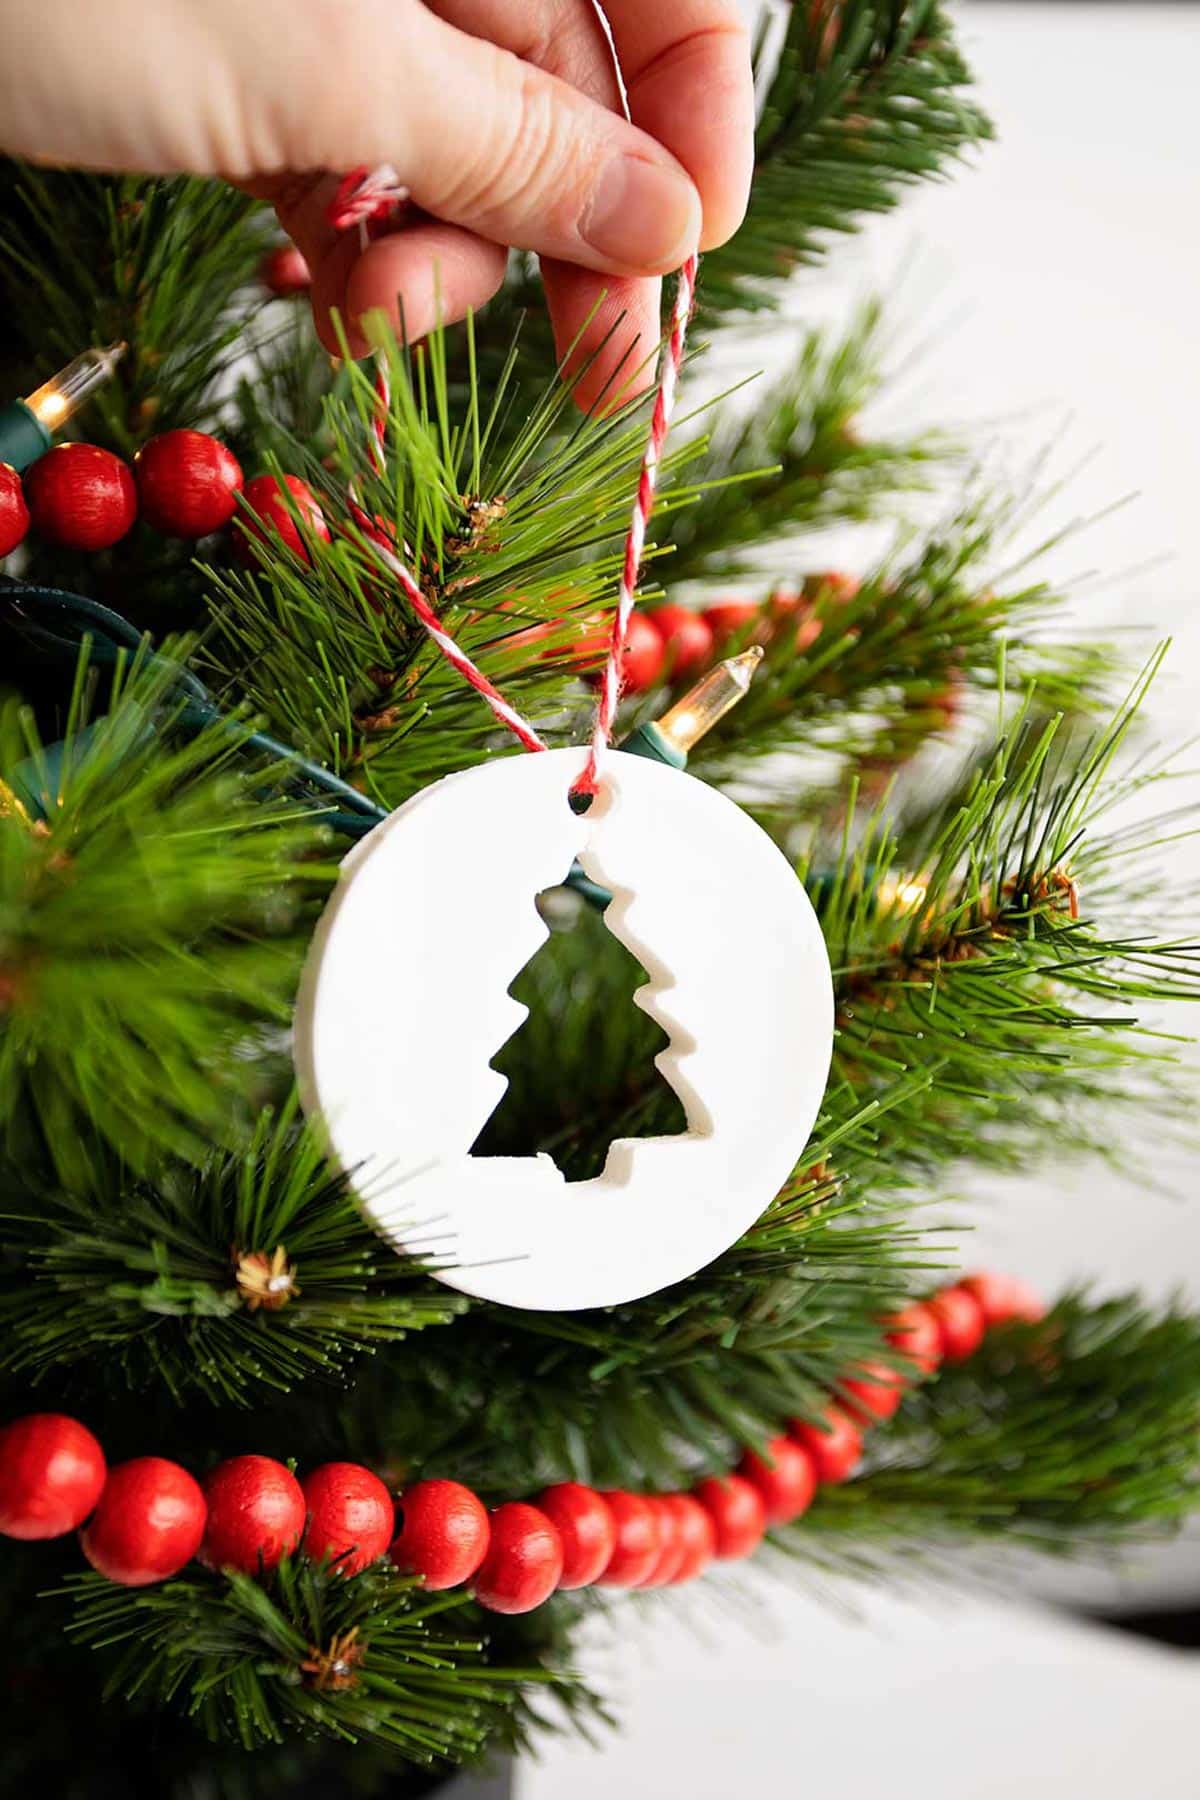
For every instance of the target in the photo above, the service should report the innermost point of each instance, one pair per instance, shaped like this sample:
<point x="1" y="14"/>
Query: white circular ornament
<point x="405" y="1001"/>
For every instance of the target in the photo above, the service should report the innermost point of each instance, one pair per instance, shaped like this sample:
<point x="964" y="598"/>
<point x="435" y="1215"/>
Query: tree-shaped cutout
<point x="580" y="1068"/>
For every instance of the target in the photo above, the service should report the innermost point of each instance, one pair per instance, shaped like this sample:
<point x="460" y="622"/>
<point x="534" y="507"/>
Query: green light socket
<point x="23" y="437"/>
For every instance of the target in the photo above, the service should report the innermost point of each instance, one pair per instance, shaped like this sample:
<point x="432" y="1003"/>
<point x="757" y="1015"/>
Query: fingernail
<point x="642" y="216"/>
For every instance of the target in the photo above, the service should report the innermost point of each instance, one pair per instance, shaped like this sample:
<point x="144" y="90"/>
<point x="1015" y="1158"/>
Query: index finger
<point x="686" y="68"/>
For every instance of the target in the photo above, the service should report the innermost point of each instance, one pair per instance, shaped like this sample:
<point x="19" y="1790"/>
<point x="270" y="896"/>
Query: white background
<point x="1056" y="286"/>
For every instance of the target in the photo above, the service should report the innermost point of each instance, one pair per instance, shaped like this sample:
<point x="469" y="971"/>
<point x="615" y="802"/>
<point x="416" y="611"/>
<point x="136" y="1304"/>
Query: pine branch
<point x="869" y="679"/>
<point x="307" y="1652"/>
<point x="799" y="461"/>
<point x="247" y="1275"/>
<point x="985" y="967"/>
<point x="867" y="99"/>
<point x="1068" y="1437"/>
<point x="155" y="898"/>
<point x="507" y="540"/>
<point x="652" y="1393"/>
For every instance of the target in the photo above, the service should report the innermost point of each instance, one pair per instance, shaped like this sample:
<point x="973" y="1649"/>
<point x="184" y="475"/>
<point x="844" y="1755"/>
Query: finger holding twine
<point x="365" y="195"/>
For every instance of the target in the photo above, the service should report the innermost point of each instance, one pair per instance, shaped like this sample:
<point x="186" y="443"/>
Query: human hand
<point x="502" y="117"/>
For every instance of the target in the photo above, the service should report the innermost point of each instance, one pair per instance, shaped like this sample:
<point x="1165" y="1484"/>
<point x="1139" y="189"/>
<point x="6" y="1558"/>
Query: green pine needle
<point x="164" y="1278"/>
<point x="152" y="920"/>
<point x="306" y="1651"/>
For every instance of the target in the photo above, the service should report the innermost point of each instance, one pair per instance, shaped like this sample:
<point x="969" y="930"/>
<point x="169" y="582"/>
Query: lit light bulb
<point x="62" y="396"/>
<point x="895" y="894"/>
<point x="715" y="694"/>
<point x="26" y="426"/>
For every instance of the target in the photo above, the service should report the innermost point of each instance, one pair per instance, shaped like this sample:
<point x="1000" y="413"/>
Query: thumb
<point x="487" y="141"/>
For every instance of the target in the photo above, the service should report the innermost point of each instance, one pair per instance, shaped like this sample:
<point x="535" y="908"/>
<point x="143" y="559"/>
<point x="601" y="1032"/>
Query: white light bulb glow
<point x="59" y="398"/>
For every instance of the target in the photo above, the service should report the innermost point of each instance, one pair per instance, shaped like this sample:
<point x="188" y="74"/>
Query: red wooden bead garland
<point x="1003" y="1297"/>
<point x="586" y="1526"/>
<point x="255" y="1514"/>
<point x="641" y="660"/>
<point x="638" y="1540"/>
<point x="696" y="1533"/>
<point x="51" y="1475"/>
<point x="81" y="496"/>
<point x="524" y="1560"/>
<point x="443" y="1535"/>
<point x="737" y="1511"/>
<point x="672" y="1548"/>
<point x="873" y="1392"/>
<point x="832" y="584"/>
<point x="836" y="1450"/>
<point x="687" y="639"/>
<point x="915" y="1332"/>
<point x="643" y="656"/>
<point x="186" y="482"/>
<point x="960" y="1321"/>
<point x="786" y="1479"/>
<point x="151" y="1515"/>
<point x="276" y="500"/>
<point x="148" y="1524"/>
<point x="729" y="618"/>
<point x="14" y="514"/>
<point x="351" y="1518"/>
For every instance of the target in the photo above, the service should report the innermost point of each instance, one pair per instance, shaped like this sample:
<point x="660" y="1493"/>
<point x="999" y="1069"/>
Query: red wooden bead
<point x="587" y="1529"/>
<point x="284" y="271"/>
<point x="874" y="1392"/>
<point x="186" y="482"/>
<point x="51" y="1475"/>
<point x="527" y="635"/>
<point x="786" y="1479"/>
<point x="696" y="1533"/>
<point x="81" y="496"/>
<point x="730" y="618"/>
<point x="641" y="660"/>
<point x="787" y="603"/>
<point x="275" y="500"/>
<point x="960" y="1321"/>
<point x="149" y="1523"/>
<point x="643" y="657"/>
<point x="915" y="1333"/>
<point x="523" y="1562"/>
<point x="14" y="514"/>
<point x="835" y="1451"/>
<point x="1003" y="1297"/>
<point x="351" y="1519"/>
<point x="687" y="639"/>
<point x="736" y="1509"/>
<point x="638" y="1540"/>
<point x="673" y="1549"/>
<point x="832" y="584"/>
<point x="255" y="1514"/>
<point x="807" y="633"/>
<point x="443" y="1535"/>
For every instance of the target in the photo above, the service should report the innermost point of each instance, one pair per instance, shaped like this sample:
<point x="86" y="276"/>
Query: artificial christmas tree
<point x="207" y="1347"/>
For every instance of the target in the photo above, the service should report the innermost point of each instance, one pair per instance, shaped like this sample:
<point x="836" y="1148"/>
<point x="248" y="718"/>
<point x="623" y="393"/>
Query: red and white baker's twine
<point x="643" y="506"/>
<point x="373" y="194"/>
<point x="366" y="194"/>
